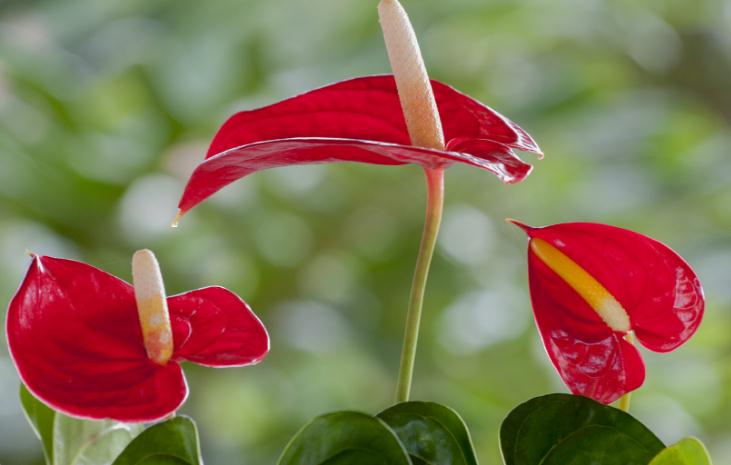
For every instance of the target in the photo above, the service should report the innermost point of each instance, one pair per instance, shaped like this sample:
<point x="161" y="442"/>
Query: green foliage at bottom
<point x="432" y="433"/>
<point x="556" y="429"/>
<point x="73" y="441"/>
<point x="409" y="433"/>
<point x="689" y="451"/>
<point x="345" y="438"/>
<point x="172" y="442"/>
<point x="562" y="429"/>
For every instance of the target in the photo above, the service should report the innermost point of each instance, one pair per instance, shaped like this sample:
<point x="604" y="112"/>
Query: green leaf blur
<point x="41" y="418"/>
<point x="688" y="451"/>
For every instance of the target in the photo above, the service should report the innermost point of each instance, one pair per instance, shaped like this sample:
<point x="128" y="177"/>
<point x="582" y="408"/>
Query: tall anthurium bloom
<point x="357" y="120"/>
<point x="93" y="346"/>
<point x="592" y="286"/>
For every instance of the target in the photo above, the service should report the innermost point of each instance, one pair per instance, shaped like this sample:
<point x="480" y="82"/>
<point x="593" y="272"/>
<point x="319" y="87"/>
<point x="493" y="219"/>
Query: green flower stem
<point x="434" y="207"/>
<point x="624" y="401"/>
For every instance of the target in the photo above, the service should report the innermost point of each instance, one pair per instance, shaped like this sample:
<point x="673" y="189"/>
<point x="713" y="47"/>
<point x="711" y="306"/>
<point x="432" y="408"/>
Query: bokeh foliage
<point x="106" y="105"/>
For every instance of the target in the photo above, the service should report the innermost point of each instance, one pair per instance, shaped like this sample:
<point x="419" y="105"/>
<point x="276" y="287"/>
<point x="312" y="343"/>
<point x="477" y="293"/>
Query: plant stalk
<point x="425" y="130"/>
<point x="434" y="207"/>
<point x="624" y="401"/>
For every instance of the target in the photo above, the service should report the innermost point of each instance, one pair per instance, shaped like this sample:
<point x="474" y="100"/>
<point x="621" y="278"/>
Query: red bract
<point x="590" y="285"/>
<point x="75" y="337"/>
<point x="358" y="120"/>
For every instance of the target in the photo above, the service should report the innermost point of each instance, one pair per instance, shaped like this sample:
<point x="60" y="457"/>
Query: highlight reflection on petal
<point x="659" y="292"/>
<point x="75" y="337"/>
<point x="358" y="120"/>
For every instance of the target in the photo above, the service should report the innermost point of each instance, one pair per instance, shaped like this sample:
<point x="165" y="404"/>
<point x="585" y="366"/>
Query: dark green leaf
<point x="689" y="451"/>
<point x="40" y="417"/>
<point x="600" y="445"/>
<point x="172" y="442"/>
<point x="556" y="428"/>
<point x="345" y="438"/>
<point x="431" y="433"/>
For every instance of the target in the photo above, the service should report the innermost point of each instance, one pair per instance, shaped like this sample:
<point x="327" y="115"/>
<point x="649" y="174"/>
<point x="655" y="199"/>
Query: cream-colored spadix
<point x="412" y="81"/>
<point x="152" y="306"/>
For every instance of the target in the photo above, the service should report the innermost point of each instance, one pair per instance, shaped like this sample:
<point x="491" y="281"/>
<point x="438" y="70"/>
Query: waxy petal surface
<point x="214" y="327"/>
<point x="657" y="289"/>
<point x="75" y="338"/>
<point x="358" y="120"/>
<point x="591" y="359"/>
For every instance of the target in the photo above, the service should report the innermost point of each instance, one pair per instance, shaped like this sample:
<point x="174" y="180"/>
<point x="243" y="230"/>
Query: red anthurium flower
<point x="591" y="286"/>
<point x="76" y="338"/>
<point x="358" y="120"/>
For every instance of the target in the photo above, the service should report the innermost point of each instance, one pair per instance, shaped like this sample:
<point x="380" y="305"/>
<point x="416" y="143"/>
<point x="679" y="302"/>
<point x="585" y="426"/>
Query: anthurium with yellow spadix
<point x="593" y="287"/>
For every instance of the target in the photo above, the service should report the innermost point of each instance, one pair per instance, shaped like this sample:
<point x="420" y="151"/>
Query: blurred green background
<point x="105" y="107"/>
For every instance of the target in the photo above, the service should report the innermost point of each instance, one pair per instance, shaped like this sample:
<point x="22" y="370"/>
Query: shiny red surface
<point x="75" y="338"/>
<point x="358" y="120"/>
<point x="656" y="287"/>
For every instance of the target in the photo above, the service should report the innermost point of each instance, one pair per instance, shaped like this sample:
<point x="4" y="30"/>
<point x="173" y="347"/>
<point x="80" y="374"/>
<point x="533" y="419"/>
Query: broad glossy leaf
<point x="345" y="438"/>
<point x="688" y="451"/>
<point x="75" y="337"/>
<point x="590" y="285"/>
<point x="41" y="418"/>
<point x="558" y="427"/>
<point x="172" y="442"/>
<point x="431" y="433"/>
<point x="357" y="120"/>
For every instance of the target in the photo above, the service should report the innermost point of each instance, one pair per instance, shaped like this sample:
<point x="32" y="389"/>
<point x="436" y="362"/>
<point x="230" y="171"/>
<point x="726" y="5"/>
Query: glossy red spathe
<point x="357" y="120"/>
<point x="75" y="337"/>
<point x="657" y="289"/>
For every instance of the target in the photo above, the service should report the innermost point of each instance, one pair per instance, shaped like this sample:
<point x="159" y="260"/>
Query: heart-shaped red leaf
<point x="75" y="337"/>
<point x="659" y="294"/>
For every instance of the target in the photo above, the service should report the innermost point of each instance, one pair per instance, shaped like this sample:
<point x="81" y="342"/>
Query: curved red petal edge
<point x="357" y="120"/>
<point x="217" y="172"/>
<point x="657" y="288"/>
<point x="214" y="327"/>
<point x="590" y="358"/>
<point x="75" y="339"/>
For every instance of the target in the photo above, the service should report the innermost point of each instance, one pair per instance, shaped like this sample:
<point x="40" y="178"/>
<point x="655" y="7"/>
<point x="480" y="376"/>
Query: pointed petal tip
<point x="527" y="229"/>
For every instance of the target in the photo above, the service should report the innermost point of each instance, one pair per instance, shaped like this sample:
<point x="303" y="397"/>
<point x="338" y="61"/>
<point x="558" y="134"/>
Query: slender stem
<point x="624" y="401"/>
<point x="434" y="207"/>
<point x="425" y="130"/>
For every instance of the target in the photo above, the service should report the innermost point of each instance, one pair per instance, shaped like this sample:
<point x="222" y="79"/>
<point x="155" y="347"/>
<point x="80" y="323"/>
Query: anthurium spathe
<point x="357" y="120"/>
<point x="592" y="287"/>
<point x="91" y="345"/>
